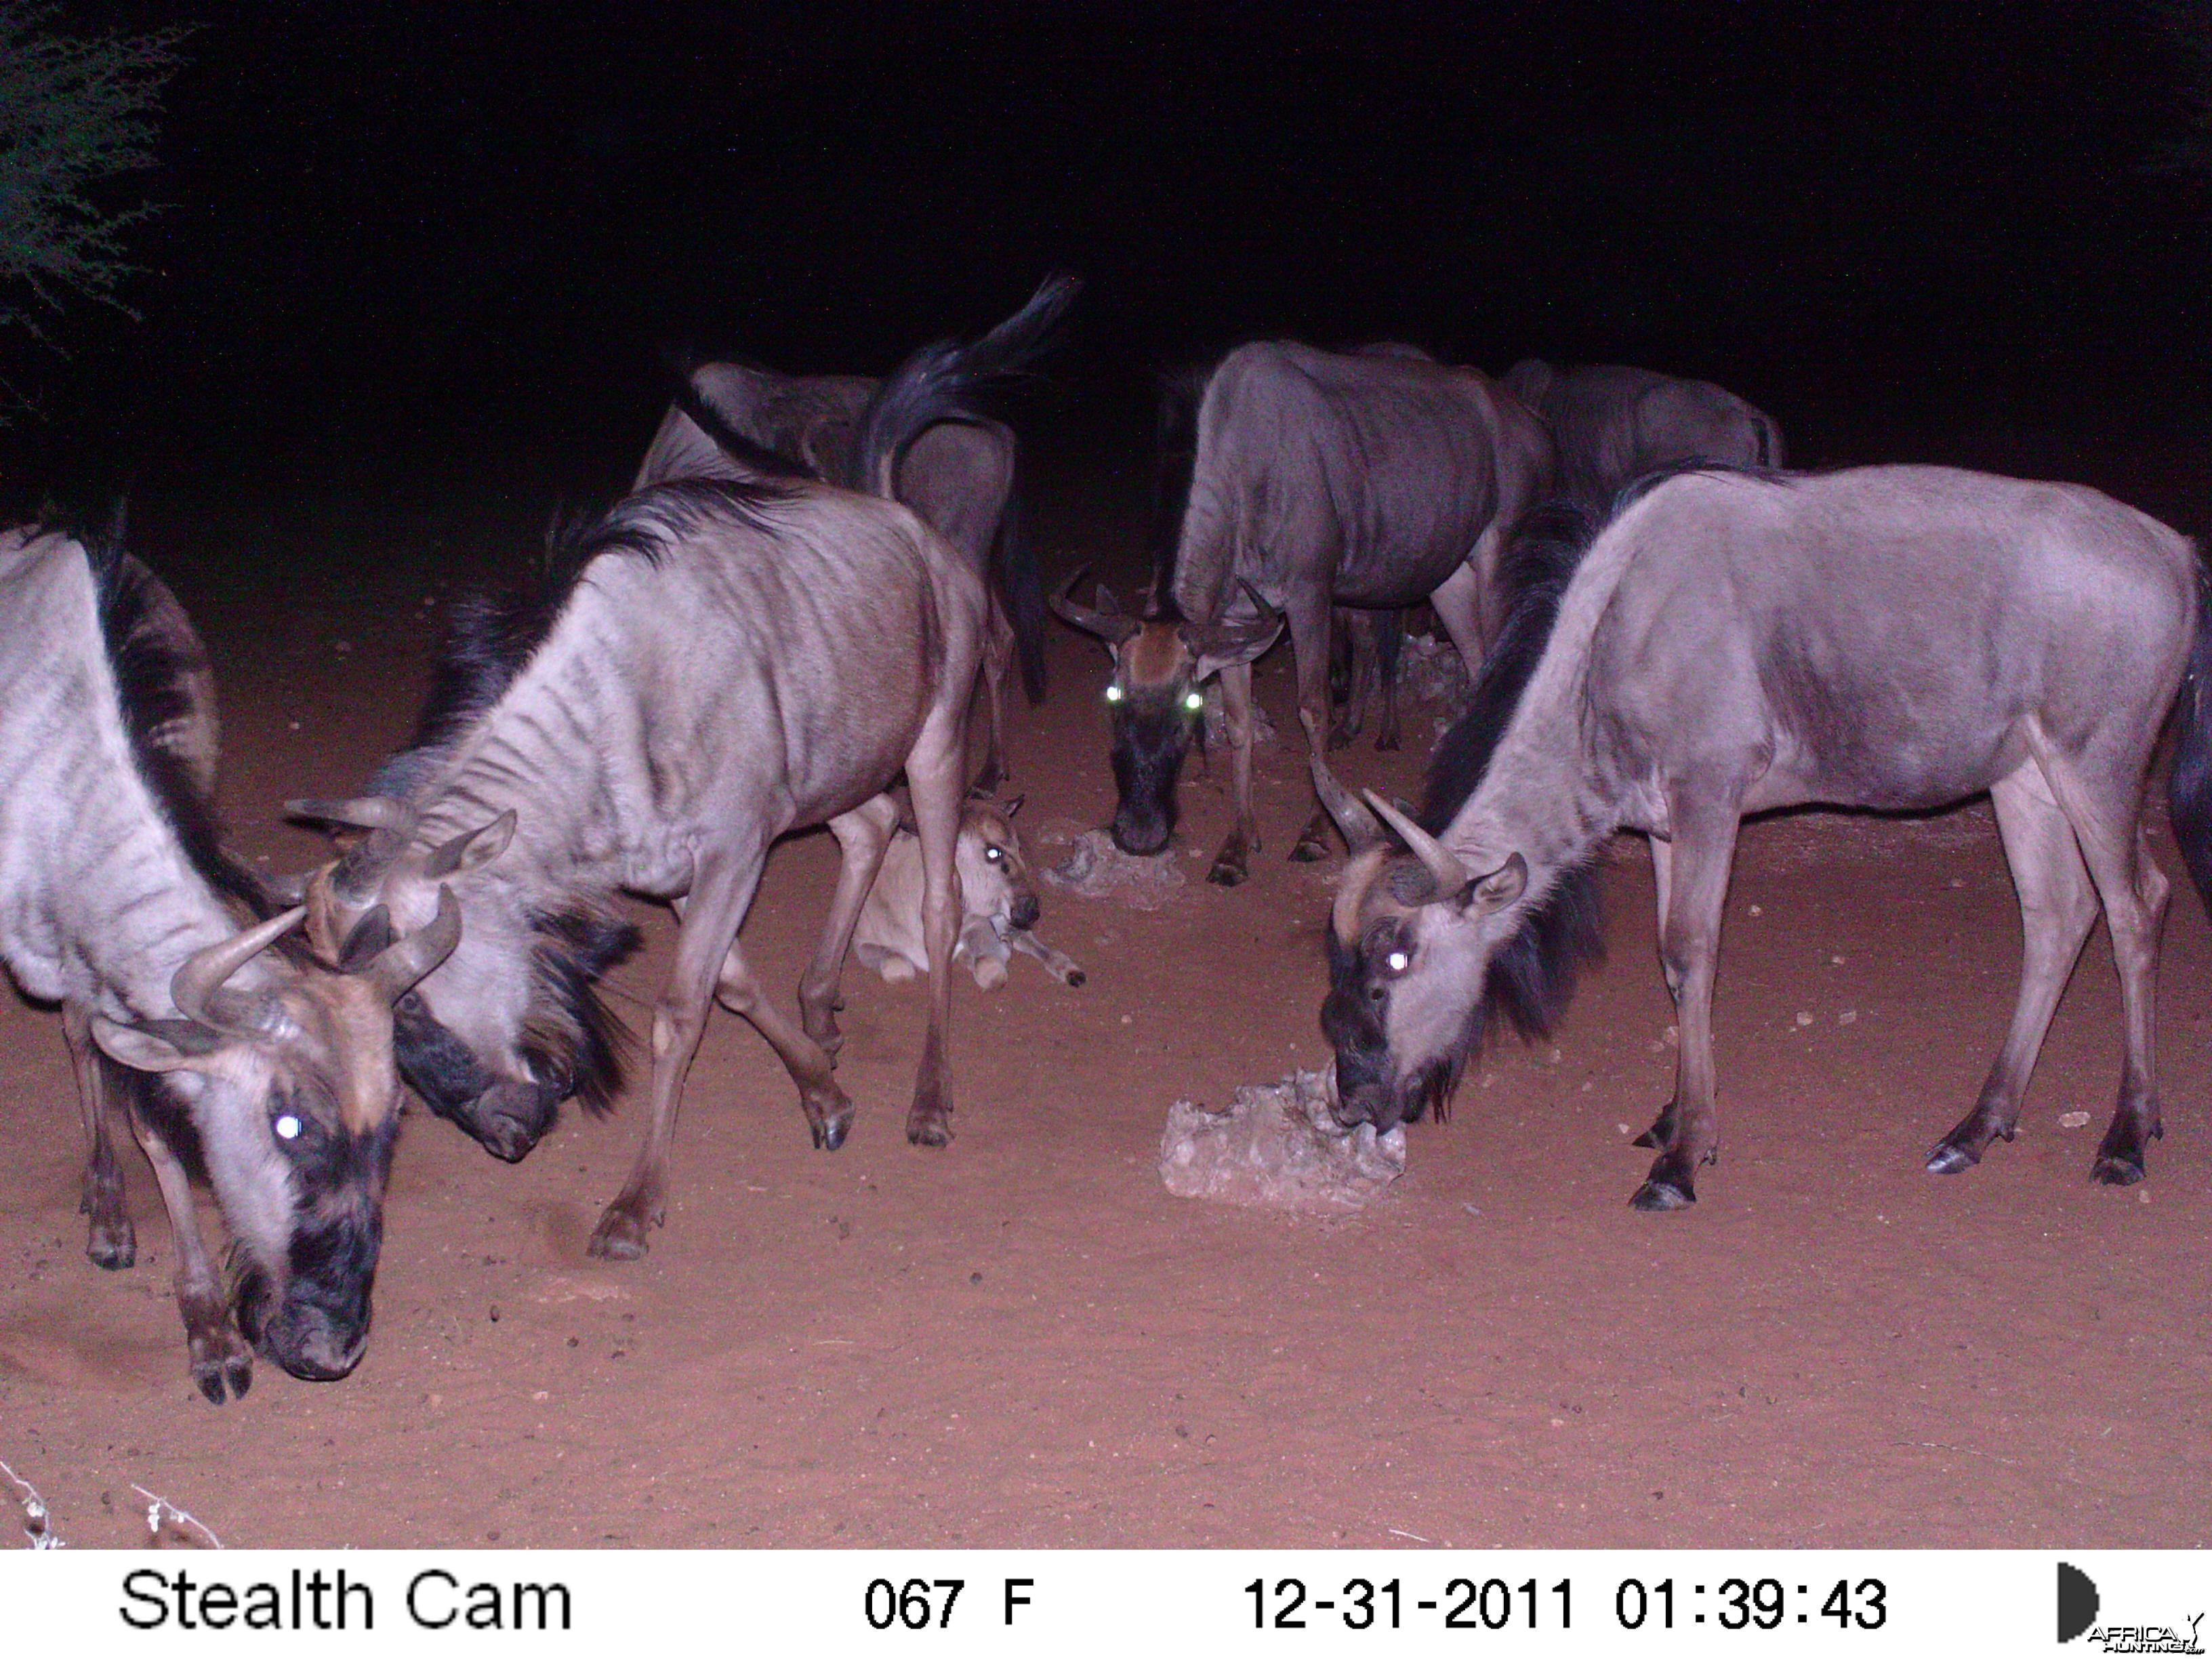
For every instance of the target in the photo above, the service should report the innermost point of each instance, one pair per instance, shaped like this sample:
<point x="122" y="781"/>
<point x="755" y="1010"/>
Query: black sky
<point x="405" y="245"/>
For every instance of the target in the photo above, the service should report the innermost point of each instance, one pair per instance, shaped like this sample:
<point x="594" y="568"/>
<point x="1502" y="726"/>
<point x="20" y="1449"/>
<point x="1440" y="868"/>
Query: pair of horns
<point x="199" y="987"/>
<point x="1225" y="642"/>
<point x="391" y="824"/>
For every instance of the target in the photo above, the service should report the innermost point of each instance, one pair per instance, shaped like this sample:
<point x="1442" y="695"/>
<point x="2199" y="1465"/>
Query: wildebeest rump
<point x="1890" y="639"/>
<point x="959" y="474"/>
<point x="1613" y="424"/>
<point x="275" y="1075"/>
<point x="1368" y="480"/>
<point x="726" y="661"/>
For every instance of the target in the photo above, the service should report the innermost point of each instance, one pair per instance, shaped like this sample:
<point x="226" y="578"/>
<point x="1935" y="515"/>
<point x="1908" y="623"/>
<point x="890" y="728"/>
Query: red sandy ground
<point x="1024" y="1341"/>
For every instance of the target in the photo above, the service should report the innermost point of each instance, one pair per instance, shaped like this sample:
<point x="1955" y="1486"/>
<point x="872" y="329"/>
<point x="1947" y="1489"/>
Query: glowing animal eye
<point x="1114" y="694"/>
<point x="1397" y="961"/>
<point x="1195" y="701"/>
<point x="287" y="1127"/>
<point x="993" y="854"/>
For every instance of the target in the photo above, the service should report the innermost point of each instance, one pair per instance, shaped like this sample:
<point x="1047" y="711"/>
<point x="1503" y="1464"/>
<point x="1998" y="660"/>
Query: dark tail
<point x="1020" y="586"/>
<point x="754" y="457"/>
<point x="1176" y="463"/>
<point x="2189" y="795"/>
<point x="942" y="382"/>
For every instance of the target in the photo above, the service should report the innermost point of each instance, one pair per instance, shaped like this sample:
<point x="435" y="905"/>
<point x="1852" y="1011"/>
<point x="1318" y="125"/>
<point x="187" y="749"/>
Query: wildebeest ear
<point x="1013" y="805"/>
<point x="473" y="848"/>
<point x="1497" y="890"/>
<point x="162" y="1045"/>
<point x="370" y="937"/>
<point x="1217" y="646"/>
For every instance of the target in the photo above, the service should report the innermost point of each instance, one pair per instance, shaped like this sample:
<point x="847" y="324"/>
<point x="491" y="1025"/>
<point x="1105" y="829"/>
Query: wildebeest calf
<point x="999" y="900"/>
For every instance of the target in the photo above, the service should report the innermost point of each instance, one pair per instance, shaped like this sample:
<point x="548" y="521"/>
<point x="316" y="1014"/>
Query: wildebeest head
<point x="509" y="1026"/>
<point x="289" y="1079"/>
<point x="1412" y="942"/>
<point x="995" y="881"/>
<point x="1160" y="663"/>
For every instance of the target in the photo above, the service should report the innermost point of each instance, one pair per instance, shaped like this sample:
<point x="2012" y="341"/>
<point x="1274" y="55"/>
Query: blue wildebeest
<point x="1614" y="424"/>
<point x="960" y="475"/>
<point x="1892" y="639"/>
<point x="998" y="903"/>
<point x="275" y="1074"/>
<point x="717" y="662"/>
<point x="1374" y="480"/>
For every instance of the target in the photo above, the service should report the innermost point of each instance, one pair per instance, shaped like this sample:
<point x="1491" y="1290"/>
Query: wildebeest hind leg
<point x="2134" y="892"/>
<point x="2057" y="908"/>
<point x="933" y="780"/>
<point x="862" y="834"/>
<point x="998" y="656"/>
<point x="110" y="1240"/>
<point x="1689" y="947"/>
<point x="1661" y="1135"/>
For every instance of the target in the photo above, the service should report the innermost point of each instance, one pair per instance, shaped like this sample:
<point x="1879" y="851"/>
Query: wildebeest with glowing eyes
<point x="1614" y="424"/>
<point x="717" y="662"/>
<point x="960" y="475"/>
<point x="1892" y="639"/>
<point x="1373" y="479"/>
<point x="273" y="1074"/>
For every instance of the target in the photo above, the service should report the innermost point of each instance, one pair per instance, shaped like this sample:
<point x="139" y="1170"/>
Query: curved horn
<point x="197" y="984"/>
<point x="1351" y="891"/>
<point x="1450" y="874"/>
<point x="1111" y="626"/>
<point x="1221" y="645"/>
<point x="355" y="878"/>
<point x="1358" y="826"/>
<point x="363" y="812"/>
<point x="396" y="969"/>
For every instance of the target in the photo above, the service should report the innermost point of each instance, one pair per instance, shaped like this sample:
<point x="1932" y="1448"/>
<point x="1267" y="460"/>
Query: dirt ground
<point x="1024" y="1341"/>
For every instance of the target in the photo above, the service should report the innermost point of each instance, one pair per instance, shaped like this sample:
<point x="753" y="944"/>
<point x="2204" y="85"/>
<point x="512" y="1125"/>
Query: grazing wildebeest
<point x="1892" y="639"/>
<point x="959" y="475"/>
<point x="998" y="903"/>
<point x="1373" y="480"/>
<point x="1614" y="424"/>
<point x="722" y="661"/>
<point x="276" y="1074"/>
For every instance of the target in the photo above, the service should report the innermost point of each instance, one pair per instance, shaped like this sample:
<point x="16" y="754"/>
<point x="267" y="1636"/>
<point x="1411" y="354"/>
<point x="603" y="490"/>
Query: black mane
<point x="491" y="635"/>
<point x="1532" y="978"/>
<point x="154" y="657"/>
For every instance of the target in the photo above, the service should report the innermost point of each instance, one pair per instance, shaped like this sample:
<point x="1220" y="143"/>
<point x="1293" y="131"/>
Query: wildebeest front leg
<point x="109" y="1241"/>
<point x="722" y="888"/>
<point x="862" y="834"/>
<point x="1689" y="948"/>
<point x="1309" y="620"/>
<point x="2057" y="908"/>
<point x="222" y="1365"/>
<point x="935" y="785"/>
<point x="1065" y="969"/>
<point x="1230" y="864"/>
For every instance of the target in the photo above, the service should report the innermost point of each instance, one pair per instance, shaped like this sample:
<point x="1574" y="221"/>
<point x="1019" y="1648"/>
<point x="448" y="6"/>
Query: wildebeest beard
<point x="570" y="1045"/>
<point x="1527" y="985"/>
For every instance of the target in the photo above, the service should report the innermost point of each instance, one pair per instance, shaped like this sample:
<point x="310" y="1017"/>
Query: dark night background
<point x="415" y="262"/>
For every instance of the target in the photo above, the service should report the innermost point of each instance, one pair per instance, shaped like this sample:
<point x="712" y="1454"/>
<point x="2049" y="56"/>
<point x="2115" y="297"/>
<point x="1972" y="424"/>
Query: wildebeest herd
<point x="785" y="624"/>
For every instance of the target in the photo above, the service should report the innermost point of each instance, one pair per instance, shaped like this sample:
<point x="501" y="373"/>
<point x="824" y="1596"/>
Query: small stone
<point x="1804" y="1019"/>
<point x="2073" y="1120"/>
<point x="2143" y="1195"/>
<point x="1757" y="911"/>
<point x="1848" y="1017"/>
